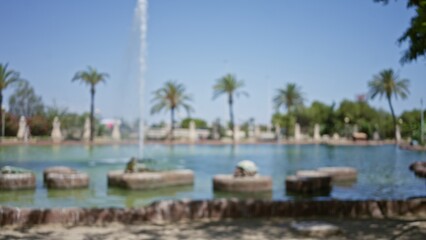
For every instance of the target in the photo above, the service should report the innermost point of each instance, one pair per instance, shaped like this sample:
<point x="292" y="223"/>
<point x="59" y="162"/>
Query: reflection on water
<point x="301" y="196"/>
<point x="267" y="195"/>
<point x="382" y="171"/>
<point x="76" y="194"/>
<point x="137" y="198"/>
<point x="344" y="183"/>
<point x="13" y="197"/>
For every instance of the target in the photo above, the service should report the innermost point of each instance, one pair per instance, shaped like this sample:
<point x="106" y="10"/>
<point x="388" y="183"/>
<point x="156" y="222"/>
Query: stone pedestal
<point x="229" y="183"/>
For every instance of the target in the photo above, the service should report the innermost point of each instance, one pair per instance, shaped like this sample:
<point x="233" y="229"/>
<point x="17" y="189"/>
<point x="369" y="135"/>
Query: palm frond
<point x="171" y="96"/>
<point x="90" y="77"/>
<point x="228" y="85"/>
<point x="388" y="83"/>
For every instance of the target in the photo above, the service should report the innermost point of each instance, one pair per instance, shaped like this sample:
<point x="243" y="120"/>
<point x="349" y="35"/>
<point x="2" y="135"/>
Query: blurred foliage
<point x="331" y="120"/>
<point x="415" y="35"/>
<point x="24" y="101"/>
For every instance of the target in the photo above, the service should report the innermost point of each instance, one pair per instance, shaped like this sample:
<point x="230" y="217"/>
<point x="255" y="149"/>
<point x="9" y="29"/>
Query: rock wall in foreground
<point x="165" y="211"/>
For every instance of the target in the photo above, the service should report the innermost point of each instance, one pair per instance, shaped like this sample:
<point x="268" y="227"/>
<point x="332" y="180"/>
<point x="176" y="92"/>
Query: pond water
<point x="382" y="171"/>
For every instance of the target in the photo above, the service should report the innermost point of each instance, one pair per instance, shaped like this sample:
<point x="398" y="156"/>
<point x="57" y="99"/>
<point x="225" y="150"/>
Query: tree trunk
<point x="92" y="113"/>
<point x="172" y="119"/>
<point x="231" y="116"/>
<point x="393" y="119"/>
<point x="1" y="115"/>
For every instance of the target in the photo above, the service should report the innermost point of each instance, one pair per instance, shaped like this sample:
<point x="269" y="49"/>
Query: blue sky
<point x="331" y="49"/>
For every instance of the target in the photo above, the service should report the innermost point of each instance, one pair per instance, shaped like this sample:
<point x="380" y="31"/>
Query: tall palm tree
<point x="171" y="96"/>
<point x="7" y="77"/>
<point x="91" y="77"/>
<point x="388" y="83"/>
<point x="290" y="97"/>
<point x="229" y="85"/>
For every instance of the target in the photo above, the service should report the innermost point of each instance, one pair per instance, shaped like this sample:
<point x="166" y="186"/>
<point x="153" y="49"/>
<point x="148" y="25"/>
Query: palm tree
<point x="289" y="97"/>
<point x="388" y="83"/>
<point x="91" y="77"/>
<point x="171" y="97"/>
<point x="229" y="85"/>
<point x="7" y="77"/>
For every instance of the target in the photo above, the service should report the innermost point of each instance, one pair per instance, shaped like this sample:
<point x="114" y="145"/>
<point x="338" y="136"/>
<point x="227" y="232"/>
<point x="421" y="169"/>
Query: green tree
<point x="324" y="115"/>
<point x="7" y="78"/>
<point x="411" y="122"/>
<point x="230" y="86"/>
<point x="415" y="35"/>
<point x="367" y="118"/>
<point x="91" y="77"/>
<point x="199" y="123"/>
<point x="290" y="97"/>
<point x="171" y="97"/>
<point x="25" y="102"/>
<point x="388" y="84"/>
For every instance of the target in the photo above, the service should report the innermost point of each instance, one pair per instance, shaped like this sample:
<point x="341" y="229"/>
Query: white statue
<point x="22" y="130"/>
<point x="56" y="130"/>
<point x="317" y="135"/>
<point x="376" y="136"/>
<point x="116" y="135"/>
<point x="86" y="131"/>
<point x="398" y="134"/>
<point x="192" y="135"/>
<point x="245" y="168"/>
<point x="355" y="128"/>
<point x="277" y="132"/>
<point x="297" y="135"/>
<point x="236" y="133"/>
<point x="257" y="131"/>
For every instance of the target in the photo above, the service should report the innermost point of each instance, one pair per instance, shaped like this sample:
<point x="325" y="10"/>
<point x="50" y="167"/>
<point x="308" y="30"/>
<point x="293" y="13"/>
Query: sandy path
<point x="230" y="229"/>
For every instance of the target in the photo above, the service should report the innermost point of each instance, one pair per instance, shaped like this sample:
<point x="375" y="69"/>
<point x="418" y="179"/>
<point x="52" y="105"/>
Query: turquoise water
<point x="382" y="171"/>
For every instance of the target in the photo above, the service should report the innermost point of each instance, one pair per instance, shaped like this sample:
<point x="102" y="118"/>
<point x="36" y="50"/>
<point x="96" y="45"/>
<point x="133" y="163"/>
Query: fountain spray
<point x="141" y="19"/>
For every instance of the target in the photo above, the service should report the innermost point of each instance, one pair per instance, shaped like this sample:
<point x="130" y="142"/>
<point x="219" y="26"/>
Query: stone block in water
<point x="149" y="180"/>
<point x="309" y="182"/>
<point x="229" y="183"/>
<point x="15" y="181"/>
<point x="64" y="177"/>
<point x="340" y="173"/>
<point x="419" y="168"/>
<point x="57" y="169"/>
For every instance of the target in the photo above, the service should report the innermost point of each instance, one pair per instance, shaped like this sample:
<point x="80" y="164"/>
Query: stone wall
<point x="171" y="211"/>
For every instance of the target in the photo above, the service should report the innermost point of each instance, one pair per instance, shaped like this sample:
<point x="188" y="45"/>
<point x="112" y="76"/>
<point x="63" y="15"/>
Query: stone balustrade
<point x="171" y="211"/>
